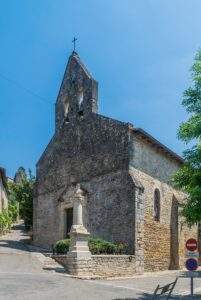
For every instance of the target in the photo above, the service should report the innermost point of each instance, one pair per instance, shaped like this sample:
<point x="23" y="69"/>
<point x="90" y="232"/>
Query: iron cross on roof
<point x="74" y="43"/>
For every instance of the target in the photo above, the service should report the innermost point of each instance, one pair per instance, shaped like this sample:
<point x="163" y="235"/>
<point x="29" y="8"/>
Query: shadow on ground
<point x="13" y="245"/>
<point x="55" y="269"/>
<point x="146" y="296"/>
<point x="16" y="244"/>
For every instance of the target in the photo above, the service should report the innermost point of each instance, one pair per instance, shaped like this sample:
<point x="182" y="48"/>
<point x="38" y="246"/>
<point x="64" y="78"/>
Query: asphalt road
<point x="26" y="275"/>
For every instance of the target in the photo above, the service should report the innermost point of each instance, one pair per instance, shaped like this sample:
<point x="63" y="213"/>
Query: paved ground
<point x="28" y="275"/>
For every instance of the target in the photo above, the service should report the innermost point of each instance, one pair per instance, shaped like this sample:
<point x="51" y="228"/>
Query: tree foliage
<point x="22" y="192"/>
<point x="188" y="177"/>
<point x="5" y="221"/>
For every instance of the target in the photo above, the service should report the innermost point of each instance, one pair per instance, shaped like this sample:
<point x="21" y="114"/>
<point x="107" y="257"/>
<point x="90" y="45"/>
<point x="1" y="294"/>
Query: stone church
<point x="124" y="173"/>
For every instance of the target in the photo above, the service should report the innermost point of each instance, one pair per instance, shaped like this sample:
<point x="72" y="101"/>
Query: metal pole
<point x="191" y="286"/>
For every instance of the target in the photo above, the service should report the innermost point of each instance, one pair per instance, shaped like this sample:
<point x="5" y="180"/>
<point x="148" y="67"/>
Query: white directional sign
<point x="192" y="254"/>
<point x="192" y="274"/>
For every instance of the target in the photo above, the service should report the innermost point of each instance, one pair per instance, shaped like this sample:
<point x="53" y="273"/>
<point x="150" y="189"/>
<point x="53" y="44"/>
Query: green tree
<point x="188" y="178"/>
<point x="22" y="192"/>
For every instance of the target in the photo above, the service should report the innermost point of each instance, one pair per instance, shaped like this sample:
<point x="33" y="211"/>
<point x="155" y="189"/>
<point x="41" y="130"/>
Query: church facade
<point x="124" y="172"/>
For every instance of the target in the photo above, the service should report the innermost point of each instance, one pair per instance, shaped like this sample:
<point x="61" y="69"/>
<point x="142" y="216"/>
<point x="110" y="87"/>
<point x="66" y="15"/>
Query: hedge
<point x="62" y="246"/>
<point x="96" y="246"/>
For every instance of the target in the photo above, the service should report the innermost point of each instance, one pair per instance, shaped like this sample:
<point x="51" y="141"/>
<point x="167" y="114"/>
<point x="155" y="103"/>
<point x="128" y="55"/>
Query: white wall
<point x="3" y="196"/>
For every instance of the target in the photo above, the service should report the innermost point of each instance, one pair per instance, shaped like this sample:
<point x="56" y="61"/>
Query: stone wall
<point x="101" y="266"/>
<point x="115" y="266"/>
<point x="94" y="153"/>
<point x="108" y="210"/>
<point x="150" y="159"/>
<point x="82" y="150"/>
<point x="164" y="241"/>
<point x="110" y="207"/>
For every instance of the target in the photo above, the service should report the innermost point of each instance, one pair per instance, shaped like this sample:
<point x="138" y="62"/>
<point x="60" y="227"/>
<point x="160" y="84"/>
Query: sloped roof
<point x="158" y="144"/>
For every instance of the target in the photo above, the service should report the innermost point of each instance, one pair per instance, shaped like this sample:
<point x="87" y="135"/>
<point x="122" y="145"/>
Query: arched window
<point x="157" y="205"/>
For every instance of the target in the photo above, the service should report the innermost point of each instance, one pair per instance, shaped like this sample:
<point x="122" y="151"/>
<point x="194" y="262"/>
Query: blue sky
<point x="140" y="51"/>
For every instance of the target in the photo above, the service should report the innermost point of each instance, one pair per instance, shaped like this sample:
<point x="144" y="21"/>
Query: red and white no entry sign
<point x="191" y="245"/>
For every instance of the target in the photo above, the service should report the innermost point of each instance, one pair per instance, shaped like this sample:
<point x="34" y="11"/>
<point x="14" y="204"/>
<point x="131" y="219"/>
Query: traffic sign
<point x="192" y="274"/>
<point x="191" y="264"/>
<point x="194" y="254"/>
<point x="191" y="245"/>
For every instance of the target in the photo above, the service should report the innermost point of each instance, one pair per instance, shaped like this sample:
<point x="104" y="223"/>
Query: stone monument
<point x="79" y="235"/>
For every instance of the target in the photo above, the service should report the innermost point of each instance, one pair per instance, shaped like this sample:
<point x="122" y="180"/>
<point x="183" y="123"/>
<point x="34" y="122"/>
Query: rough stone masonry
<point x="125" y="175"/>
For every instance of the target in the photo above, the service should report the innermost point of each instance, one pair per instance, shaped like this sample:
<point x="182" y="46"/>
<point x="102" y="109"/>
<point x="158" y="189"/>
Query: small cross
<point x="74" y="43"/>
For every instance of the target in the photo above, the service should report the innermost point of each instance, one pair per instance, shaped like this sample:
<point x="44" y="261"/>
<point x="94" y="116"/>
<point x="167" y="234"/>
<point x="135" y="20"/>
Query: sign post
<point x="191" y="263"/>
<point x="191" y="286"/>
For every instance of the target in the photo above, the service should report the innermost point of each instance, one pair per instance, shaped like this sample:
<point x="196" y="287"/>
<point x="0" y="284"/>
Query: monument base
<point x="79" y="248"/>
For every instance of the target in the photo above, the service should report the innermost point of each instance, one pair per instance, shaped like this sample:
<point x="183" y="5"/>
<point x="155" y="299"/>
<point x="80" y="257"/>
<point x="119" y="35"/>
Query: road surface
<point x="28" y="275"/>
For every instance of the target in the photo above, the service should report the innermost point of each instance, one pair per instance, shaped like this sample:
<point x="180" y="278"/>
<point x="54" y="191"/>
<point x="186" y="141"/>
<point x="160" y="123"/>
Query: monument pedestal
<point x="79" y="248"/>
<point x="79" y="256"/>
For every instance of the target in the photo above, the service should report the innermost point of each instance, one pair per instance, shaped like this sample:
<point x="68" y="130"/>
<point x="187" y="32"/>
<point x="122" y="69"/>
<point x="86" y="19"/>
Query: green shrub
<point x="96" y="246"/>
<point x="122" y="247"/>
<point x="8" y="217"/>
<point x="99" y="246"/>
<point x="62" y="246"/>
<point x="13" y="210"/>
<point x="5" y="221"/>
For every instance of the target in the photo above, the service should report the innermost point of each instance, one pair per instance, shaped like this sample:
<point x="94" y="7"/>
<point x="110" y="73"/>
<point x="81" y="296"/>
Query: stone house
<point x="3" y="190"/>
<point x="124" y="174"/>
